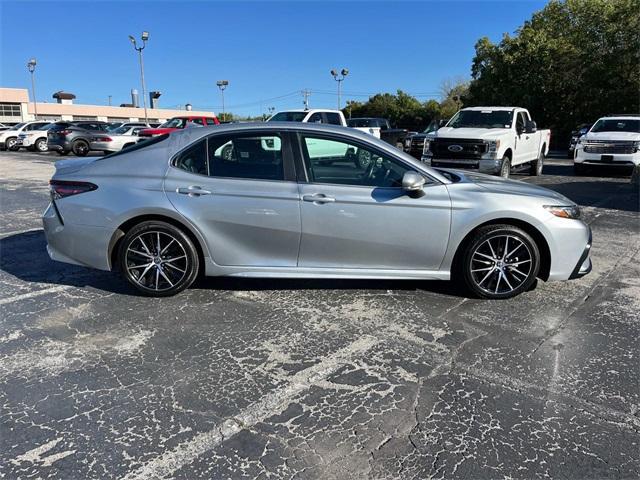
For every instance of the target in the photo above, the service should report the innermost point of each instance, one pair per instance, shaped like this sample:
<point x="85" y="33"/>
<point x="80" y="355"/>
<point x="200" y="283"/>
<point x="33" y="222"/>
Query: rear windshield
<point x="288" y="117"/>
<point x="617" y="125"/>
<point x="363" y="122"/>
<point x="138" y="146"/>
<point x="60" y="126"/>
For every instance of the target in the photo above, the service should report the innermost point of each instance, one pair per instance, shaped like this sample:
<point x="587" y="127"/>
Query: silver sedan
<point x="305" y="201"/>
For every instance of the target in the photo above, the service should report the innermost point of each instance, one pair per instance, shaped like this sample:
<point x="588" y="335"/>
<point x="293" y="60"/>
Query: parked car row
<point x="82" y="137"/>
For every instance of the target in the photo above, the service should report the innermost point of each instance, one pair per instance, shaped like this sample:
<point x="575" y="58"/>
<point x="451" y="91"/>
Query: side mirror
<point x="413" y="182"/>
<point x="531" y="127"/>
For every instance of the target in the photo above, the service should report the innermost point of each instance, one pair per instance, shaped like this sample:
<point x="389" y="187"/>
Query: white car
<point x="9" y="138"/>
<point x="34" y="139"/>
<point x="490" y="140"/>
<point x="611" y="141"/>
<point x="117" y="139"/>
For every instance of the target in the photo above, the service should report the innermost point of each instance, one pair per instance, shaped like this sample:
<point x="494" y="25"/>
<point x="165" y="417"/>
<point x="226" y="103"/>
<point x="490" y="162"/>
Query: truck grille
<point x="603" y="146"/>
<point x="461" y="148"/>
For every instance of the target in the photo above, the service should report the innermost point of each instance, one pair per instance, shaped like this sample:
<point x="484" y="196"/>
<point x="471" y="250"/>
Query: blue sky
<point x="265" y="49"/>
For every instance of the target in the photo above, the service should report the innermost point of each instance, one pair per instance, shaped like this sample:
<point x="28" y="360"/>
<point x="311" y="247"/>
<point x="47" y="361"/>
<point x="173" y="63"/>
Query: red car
<point x="178" y="123"/>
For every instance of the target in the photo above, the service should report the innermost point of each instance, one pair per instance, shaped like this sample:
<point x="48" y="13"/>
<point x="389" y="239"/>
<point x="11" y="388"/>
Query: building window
<point x="84" y="117"/>
<point x="117" y="119"/>
<point x="10" y="110"/>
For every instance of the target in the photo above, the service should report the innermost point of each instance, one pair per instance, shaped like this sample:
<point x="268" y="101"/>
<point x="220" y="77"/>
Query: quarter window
<point x="257" y="157"/>
<point x="194" y="159"/>
<point x="337" y="162"/>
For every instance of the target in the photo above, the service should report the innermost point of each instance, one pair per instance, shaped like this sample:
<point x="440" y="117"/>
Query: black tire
<point x="579" y="169"/>
<point x="537" y="165"/>
<point x="40" y="145"/>
<point x="10" y="144"/>
<point x="158" y="275"/>
<point x="504" y="276"/>
<point x="80" y="148"/>
<point x="505" y="167"/>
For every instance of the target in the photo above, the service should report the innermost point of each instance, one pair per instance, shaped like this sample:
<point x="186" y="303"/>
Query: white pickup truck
<point x="316" y="115"/>
<point x="611" y="141"/>
<point x="488" y="139"/>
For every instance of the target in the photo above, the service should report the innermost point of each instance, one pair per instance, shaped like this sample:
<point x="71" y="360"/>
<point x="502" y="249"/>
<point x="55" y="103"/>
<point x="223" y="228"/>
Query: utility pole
<point x="31" y="65"/>
<point x="306" y="93"/>
<point x="222" y="85"/>
<point x="144" y="37"/>
<point x="339" y="78"/>
<point x="110" y="100"/>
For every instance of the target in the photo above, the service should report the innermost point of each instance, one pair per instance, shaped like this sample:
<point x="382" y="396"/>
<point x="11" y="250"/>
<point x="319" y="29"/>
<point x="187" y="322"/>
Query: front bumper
<point x="607" y="160"/>
<point x="489" y="165"/>
<point x="583" y="267"/>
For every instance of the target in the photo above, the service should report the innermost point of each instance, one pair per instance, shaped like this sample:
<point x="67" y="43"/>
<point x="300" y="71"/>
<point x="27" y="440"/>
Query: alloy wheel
<point x="156" y="261"/>
<point x="501" y="264"/>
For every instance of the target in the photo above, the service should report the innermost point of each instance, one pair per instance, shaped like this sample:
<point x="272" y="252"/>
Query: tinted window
<point x="194" y="159"/>
<point x="288" y="117"/>
<point x="60" y="126"/>
<point x="248" y="156"/>
<point x="521" y="122"/>
<point x="199" y="121"/>
<point x="334" y="118"/>
<point x="210" y="121"/>
<point x="331" y="161"/>
<point x="315" y="118"/>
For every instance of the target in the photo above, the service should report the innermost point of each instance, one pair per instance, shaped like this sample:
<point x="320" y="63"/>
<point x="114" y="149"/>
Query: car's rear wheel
<point x="505" y="167"/>
<point x="158" y="259"/>
<point x="11" y="144"/>
<point x="500" y="261"/>
<point x="537" y="165"/>
<point x="41" y="145"/>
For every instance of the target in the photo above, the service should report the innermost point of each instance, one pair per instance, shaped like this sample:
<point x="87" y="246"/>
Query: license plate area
<point x="606" y="158"/>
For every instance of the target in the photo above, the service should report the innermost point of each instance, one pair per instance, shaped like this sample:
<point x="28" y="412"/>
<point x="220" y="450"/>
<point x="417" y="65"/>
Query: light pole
<point x="31" y="65"/>
<point x="222" y="84"/>
<point x="144" y="37"/>
<point x="339" y="78"/>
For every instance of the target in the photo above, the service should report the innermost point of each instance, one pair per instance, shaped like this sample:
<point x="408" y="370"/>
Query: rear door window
<point x="315" y="118"/>
<point x="247" y="155"/>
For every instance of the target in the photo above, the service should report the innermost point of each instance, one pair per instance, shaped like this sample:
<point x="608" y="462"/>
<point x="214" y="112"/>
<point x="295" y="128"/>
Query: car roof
<point x="310" y="110"/>
<point x="494" y="108"/>
<point x="621" y="117"/>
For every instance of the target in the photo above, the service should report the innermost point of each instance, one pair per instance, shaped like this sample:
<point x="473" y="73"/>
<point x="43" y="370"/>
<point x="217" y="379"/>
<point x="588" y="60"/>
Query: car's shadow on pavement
<point x="24" y="256"/>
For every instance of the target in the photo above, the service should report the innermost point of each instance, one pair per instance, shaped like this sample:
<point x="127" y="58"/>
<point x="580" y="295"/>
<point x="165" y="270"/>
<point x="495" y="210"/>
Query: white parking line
<point x="18" y="232"/>
<point x="272" y="404"/>
<point x="37" y="293"/>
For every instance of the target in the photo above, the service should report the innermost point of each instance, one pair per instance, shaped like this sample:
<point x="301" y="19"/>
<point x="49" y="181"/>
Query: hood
<point x="512" y="187"/>
<point x="156" y="131"/>
<point x="481" y="133"/>
<point x="629" y="136"/>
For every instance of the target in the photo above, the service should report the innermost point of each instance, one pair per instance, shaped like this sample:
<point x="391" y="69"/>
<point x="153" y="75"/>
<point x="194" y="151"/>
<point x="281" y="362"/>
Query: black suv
<point x="65" y="137"/>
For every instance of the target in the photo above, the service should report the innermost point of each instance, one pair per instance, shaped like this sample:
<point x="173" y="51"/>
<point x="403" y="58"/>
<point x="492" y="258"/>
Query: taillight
<point x="102" y="139"/>
<point x="64" y="188"/>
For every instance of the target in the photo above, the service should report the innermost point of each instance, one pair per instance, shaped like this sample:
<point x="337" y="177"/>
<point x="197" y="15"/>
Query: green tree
<point x="572" y="62"/>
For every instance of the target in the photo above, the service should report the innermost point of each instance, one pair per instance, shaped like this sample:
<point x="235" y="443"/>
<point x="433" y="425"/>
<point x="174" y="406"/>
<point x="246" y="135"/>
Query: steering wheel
<point x="368" y="174"/>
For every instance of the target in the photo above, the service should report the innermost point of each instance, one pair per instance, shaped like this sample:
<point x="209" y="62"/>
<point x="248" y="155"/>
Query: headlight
<point x="494" y="145"/>
<point x="564" y="211"/>
<point x="636" y="145"/>
<point x="427" y="146"/>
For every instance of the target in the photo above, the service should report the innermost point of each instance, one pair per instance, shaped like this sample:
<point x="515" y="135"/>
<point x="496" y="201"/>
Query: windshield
<point x="120" y="130"/>
<point x="617" y="125"/>
<point x="174" y="123"/>
<point x="482" y="119"/>
<point x="288" y="117"/>
<point x="16" y="127"/>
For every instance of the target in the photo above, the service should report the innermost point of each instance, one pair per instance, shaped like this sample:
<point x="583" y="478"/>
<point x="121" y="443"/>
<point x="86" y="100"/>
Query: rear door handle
<point x="318" y="198"/>
<point x="192" y="191"/>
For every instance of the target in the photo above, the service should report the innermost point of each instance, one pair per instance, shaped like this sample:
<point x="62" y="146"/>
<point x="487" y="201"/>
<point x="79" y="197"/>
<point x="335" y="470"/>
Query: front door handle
<point x="318" y="198"/>
<point x="192" y="191"/>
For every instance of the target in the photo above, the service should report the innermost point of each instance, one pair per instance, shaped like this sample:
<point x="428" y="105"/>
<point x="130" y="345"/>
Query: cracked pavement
<point x="318" y="379"/>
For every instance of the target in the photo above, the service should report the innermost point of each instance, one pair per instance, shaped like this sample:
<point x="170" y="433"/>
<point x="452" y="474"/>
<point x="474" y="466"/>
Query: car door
<point x="239" y="190"/>
<point x="356" y="215"/>
<point x="525" y="142"/>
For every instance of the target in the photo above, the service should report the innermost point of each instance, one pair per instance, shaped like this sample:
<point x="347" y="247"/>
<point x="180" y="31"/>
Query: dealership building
<point x="16" y="107"/>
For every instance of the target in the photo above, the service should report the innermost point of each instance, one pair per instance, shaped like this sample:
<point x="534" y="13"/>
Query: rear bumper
<point x="77" y="244"/>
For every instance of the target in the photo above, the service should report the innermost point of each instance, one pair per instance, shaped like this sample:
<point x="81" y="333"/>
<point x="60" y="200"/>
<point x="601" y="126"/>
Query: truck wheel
<point x="505" y="167"/>
<point x="537" y="165"/>
<point x="10" y="144"/>
<point x="41" y="145"/>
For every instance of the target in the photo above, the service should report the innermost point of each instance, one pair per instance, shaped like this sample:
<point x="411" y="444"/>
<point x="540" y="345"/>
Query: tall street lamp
<point x="144" y="37"/>
<point x="222" y="84"/>
<point x="31" y="65"/>
<point x="339" y="78"/>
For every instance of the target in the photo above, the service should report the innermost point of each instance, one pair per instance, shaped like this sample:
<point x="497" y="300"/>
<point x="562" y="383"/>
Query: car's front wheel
<point x="41" y="145"/>
<point x="158" y="259"/>
<point x="500" y="261"/>
<point x="505" y="167"/>
<point x="11" y="144"/>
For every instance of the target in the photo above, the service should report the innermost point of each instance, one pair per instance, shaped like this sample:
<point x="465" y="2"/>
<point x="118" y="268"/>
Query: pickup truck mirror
<point x="531" y="127"/>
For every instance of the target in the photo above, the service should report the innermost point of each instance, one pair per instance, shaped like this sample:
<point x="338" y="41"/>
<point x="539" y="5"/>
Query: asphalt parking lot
<point x="318" y="379"/>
